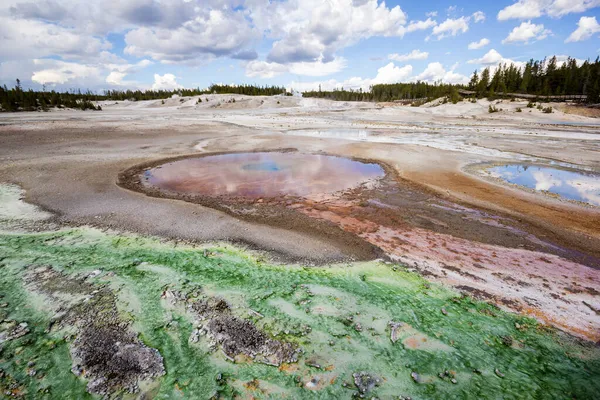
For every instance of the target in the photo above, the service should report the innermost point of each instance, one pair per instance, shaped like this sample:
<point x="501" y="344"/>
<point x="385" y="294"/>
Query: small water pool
<point x="263" y="174"/>
<point x="573" y="185"/>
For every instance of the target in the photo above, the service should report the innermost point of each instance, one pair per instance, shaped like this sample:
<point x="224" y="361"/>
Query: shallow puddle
<point x="572" y="185"/>
<point x="266" y="174"/>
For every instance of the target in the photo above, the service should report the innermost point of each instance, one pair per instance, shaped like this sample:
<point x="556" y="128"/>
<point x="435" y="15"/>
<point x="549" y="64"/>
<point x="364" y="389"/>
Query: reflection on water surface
<point x="266" y="174"/>
<point x="580" y="186"/>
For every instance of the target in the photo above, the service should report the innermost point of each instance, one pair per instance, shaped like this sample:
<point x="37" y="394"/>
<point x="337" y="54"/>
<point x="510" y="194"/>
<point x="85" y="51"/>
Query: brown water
<point x="258" y="175"/>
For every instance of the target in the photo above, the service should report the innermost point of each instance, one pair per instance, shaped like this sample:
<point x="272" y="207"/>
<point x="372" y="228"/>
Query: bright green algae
<point x="338" y="315"/>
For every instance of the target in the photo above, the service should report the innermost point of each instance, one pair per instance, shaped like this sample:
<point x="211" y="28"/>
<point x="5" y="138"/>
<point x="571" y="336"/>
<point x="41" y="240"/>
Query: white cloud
<point x="420" y="25"/>
<point x="306" y="30"/>
<point x="431" y="14"/>
<point x="59" y="72"/>
<point x="413" y="55"/>
<point x="389" y="73"/>
<point x="65" y="74"/>
<point x="526" y="9"/>
<point x="318" y="68"/>
<point x="25" y="39"/>
<point x="196" y="41"/>
<point x="451" y="27"/>
<point x="492" y="59"/>
<point x="165" y="82"/>
<point x="436" y="72"/>
<point x="392" y="74"/>
<point x="478" y="45"/>
<point x="562" y="59"/>
<point x="527" y="32"/>
<point x="586" y="28"/>
<point x="119" y="71"/>
<point x="265" y="69"/>
<point x="478" y="16"/>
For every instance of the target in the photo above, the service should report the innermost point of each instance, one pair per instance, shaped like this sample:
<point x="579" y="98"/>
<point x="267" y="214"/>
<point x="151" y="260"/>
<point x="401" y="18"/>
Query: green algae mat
<point x="366" y="329"/>
<point x="92" y="314"/>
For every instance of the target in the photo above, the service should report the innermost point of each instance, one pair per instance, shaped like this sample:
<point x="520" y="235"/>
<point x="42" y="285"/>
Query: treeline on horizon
<point x="18" y="99"/>
<point x="540" y="78"/>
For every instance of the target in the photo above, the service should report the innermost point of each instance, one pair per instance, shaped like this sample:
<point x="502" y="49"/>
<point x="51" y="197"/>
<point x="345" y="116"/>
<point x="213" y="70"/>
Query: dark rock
<point x="365" y="382"/>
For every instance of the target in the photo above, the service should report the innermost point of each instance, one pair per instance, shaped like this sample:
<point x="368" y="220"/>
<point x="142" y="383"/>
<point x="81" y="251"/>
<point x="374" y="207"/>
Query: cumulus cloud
<point x="265" y="69"/>
<point x="165" y="82"/>
<point x="451" y="27"/>
<point x="308" y="30"/>
<point x="58" y="72"/>
<point x="208" y="36"/>
<point x="492" y="59"/>
<point x="22" y="39"/>
<point x="527" y="32"/>
<point x="478" y="16"/>
<point x="480" y="44"/>
<point x="586" y="28"/>
<point x="413" y="55"/>
<point x="389" y="73"/>
<point x="420" y="25"/>
<point x="67" y="74"/>
<point x="526" y="9"/>
<point x="435" y="72"/>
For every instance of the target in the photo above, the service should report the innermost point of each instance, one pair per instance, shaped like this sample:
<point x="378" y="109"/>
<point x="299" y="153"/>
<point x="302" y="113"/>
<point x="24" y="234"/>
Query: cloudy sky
<point x="164" y="44"/>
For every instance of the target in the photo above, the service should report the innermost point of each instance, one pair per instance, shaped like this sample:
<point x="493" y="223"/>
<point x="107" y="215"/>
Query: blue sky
<point x="301" y="44"/>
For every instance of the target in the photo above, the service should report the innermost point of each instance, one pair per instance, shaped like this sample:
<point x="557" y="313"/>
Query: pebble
<point x="415" y="377"/>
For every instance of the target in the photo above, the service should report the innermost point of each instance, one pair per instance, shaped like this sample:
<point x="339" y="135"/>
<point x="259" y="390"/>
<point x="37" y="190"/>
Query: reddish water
<point x="268" y="174"/>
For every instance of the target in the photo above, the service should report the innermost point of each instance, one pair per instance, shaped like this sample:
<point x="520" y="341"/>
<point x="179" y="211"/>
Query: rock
<point x="395" y="330"/>
<point x="497" y="372"/>
<point x="444" y="311"/>
<point x="358" y="327"/>
<point x="312" y="384"/>
<point x="507" y="340"/>
<point x="454" y="381"/>
<point x="365" y="382"/>
<point x="416" y="377"/>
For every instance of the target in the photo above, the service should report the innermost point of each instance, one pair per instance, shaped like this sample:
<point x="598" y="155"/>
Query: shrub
<point x="199" y="101"/>
<point x="492" y="109"/>
<point x="530" y="105"/>
<point x="547" y="110"/>
<point x="539" y="107"/>
<point x="519" y="109"/>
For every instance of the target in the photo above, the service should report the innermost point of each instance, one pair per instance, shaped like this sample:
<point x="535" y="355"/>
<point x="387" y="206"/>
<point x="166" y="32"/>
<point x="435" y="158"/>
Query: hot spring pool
<point x="265" y="174"/>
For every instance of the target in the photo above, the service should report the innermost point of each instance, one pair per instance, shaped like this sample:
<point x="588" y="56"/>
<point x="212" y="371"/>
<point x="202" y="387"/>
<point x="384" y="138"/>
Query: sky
<point x="299" y="44"/>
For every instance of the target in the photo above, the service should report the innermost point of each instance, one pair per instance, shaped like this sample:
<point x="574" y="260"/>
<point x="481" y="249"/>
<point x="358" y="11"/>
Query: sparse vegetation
<point x="519" y="109"/>
<point x="493" y="109"/>
<point x="18" y="99"/>
<point x="530" y="104"/>
<point x="547" y="110"/>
